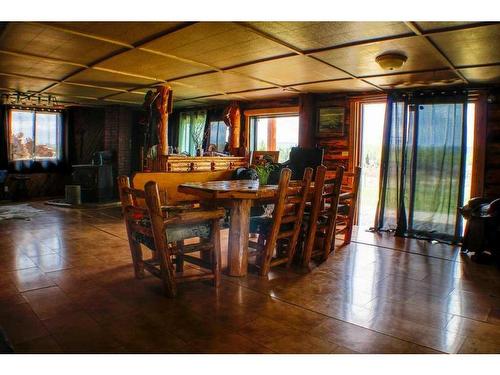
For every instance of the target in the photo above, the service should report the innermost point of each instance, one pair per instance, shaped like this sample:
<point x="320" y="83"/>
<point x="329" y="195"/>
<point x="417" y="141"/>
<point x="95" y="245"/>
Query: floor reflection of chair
<point x="278" y="235"/>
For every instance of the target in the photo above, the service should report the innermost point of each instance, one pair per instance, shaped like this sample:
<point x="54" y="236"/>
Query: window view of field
<point x="437" y="175"/>
<point x="373" y="115"/>
<point x="286" y="134"/>
<point x="33" y="135"/>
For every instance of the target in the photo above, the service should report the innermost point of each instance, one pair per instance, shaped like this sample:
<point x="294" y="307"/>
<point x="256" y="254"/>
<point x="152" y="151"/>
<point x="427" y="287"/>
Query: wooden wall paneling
<point x="479" y="153"/>
<point x="492" y="160"/>
<point x="307" y="118"/>
<point x="336" y="148"/>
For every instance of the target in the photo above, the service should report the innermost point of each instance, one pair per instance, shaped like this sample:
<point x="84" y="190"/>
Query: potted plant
<point x="263" y="171"/>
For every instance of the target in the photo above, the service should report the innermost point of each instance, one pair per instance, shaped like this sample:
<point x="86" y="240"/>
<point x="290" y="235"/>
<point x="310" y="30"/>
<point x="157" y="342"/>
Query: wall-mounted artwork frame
<point x="330" y="121"/>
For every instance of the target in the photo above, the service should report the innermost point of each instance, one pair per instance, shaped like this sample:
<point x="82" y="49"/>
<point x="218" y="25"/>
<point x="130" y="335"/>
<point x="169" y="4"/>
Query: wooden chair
<point x="322" y="216"/>
<point x="163" y="230"/>
<point x="347" y="206"/>
<point x="279" y="234"/>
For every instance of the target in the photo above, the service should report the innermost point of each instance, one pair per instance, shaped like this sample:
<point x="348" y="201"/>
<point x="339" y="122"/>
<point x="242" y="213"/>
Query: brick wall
<point x="117" y="137"/>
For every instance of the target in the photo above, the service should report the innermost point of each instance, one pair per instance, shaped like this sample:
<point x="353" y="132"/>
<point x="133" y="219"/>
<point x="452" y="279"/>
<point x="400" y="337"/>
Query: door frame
<point x="356" y="129"/>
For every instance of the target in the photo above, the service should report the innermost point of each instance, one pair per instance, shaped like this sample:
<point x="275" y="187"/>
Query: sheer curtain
<point x="191" y="130"/>
<point x="423" y="162"/>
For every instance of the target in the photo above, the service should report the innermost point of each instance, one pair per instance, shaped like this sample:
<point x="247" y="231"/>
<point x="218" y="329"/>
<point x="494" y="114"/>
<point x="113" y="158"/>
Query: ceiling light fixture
<point x="391" y="61"/>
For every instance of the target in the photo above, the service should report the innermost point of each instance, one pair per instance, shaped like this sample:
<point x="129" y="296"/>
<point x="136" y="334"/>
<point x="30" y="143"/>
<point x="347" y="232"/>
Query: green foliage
<point x="263" y="171"/>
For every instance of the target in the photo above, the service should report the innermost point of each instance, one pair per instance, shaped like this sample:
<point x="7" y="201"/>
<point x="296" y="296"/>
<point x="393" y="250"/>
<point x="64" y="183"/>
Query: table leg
<point x="239" y="223"/>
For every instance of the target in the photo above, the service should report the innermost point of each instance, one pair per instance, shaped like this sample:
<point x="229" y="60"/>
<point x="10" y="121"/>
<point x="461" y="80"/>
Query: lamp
<point x="391" y="61"/>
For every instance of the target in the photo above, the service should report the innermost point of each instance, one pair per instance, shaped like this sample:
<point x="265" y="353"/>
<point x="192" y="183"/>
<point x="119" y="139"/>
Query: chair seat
<point x="343" y="209"/>
<point x="260" y="224"/>
<point x="175" y="232"/>
<point x="263" y="224"/>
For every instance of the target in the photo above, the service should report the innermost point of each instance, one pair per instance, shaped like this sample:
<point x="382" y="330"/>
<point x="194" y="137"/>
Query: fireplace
<point x="95" y="179"/>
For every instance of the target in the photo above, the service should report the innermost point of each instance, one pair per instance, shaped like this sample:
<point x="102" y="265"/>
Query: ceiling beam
<point x="414" y="27"/>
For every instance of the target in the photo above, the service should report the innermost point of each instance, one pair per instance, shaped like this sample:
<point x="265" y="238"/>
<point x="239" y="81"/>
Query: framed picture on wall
<point x="330" y="122"/>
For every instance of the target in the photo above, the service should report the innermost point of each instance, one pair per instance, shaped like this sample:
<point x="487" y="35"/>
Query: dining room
<point x="226" y="186"/>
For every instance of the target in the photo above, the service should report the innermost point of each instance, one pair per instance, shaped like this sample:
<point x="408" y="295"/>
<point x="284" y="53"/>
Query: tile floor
<point x="67" y="286"/>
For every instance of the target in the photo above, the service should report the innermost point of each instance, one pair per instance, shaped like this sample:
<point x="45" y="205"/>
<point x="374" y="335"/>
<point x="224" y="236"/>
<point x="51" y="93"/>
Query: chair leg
<point x="179" y="258"/>
<point x="136" y="252"/>
<point x="167" y="272"/>
<point x="266" y="258"/>
<point x="329" y="241"/>
<point x="348" y="232"/>
<point x="260" y="249"/>
<point x="216" y="256"/>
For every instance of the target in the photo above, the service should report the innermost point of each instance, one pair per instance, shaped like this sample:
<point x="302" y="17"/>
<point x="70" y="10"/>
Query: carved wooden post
<point x="232" y="118"/>
<point x="164" y="106"/>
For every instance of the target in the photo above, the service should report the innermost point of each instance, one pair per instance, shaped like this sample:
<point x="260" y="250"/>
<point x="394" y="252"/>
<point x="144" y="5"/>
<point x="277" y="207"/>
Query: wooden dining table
<point x="238" y="196"/>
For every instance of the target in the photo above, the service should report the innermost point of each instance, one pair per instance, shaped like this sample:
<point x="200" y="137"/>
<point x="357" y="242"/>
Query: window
<point x="191" y="131"/>
<point x="218" y="134"/>
<point x="274" y="133"/>
<point x="34" y="135"/>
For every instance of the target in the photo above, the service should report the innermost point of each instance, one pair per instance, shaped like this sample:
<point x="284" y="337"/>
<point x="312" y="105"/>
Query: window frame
<point x="266" y="112"/>
<point x="59" y="143"/>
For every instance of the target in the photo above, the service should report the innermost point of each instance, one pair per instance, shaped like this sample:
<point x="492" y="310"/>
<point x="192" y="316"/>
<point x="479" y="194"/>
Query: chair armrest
<point x="494" y="209"/>
<point x="181" y="207"/>
<point x="345" y="196"/>
<point x="477" y="201"/>
<point x="195" y="216"/>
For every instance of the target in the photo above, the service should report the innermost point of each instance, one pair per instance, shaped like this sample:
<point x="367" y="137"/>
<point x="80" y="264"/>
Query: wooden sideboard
<point x="177" y="163"/>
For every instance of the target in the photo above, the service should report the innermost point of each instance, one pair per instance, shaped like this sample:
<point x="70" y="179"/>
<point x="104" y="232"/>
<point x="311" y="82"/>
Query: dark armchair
<point x="482" y="231"/>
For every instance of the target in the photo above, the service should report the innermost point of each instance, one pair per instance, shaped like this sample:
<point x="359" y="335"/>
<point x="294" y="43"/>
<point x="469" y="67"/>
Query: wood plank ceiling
<point x="209" y="62"/>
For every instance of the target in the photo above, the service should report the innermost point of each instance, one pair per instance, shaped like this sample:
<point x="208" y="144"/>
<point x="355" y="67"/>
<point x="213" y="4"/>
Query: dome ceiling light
<point x="391" y="61"/>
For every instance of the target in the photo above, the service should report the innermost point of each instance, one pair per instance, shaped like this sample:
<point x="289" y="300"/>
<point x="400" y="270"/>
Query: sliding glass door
<point x="423" y="166"/>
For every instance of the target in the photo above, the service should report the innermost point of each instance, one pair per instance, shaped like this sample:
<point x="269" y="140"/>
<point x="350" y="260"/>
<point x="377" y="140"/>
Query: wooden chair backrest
<point x="331" y="194"/>
<point x="316" y="206"/>
<point x="132" y="211"/>
<point x="289" y="206"/>
<point x="168" y="182"/>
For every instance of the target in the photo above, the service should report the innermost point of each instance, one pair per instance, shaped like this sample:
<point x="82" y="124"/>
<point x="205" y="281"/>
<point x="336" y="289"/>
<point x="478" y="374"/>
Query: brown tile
<point x="494" y="316"/>
<point x="410" y="312"/>
<point x="478" y="346"/>
<point x="360" y="339"/>
<point x="31" y="278"/>
<point x="41" y="345"/>
<point x="265" y="331"/>
<point x="49" y="302"/>
<point x="474" y="329"/>
<point x="21" y="323"/>
<point x="51" y="262"/>
<point x="443" y="340"/>
<point x="99" y="304"/>
<point x="390" y="299"/>
<point x="137" y="333"/>
<point x="302" y="343"/>
<point x="76" y="332"/>
<point x="227" y="343"/>
<point x="16" y="262"/>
